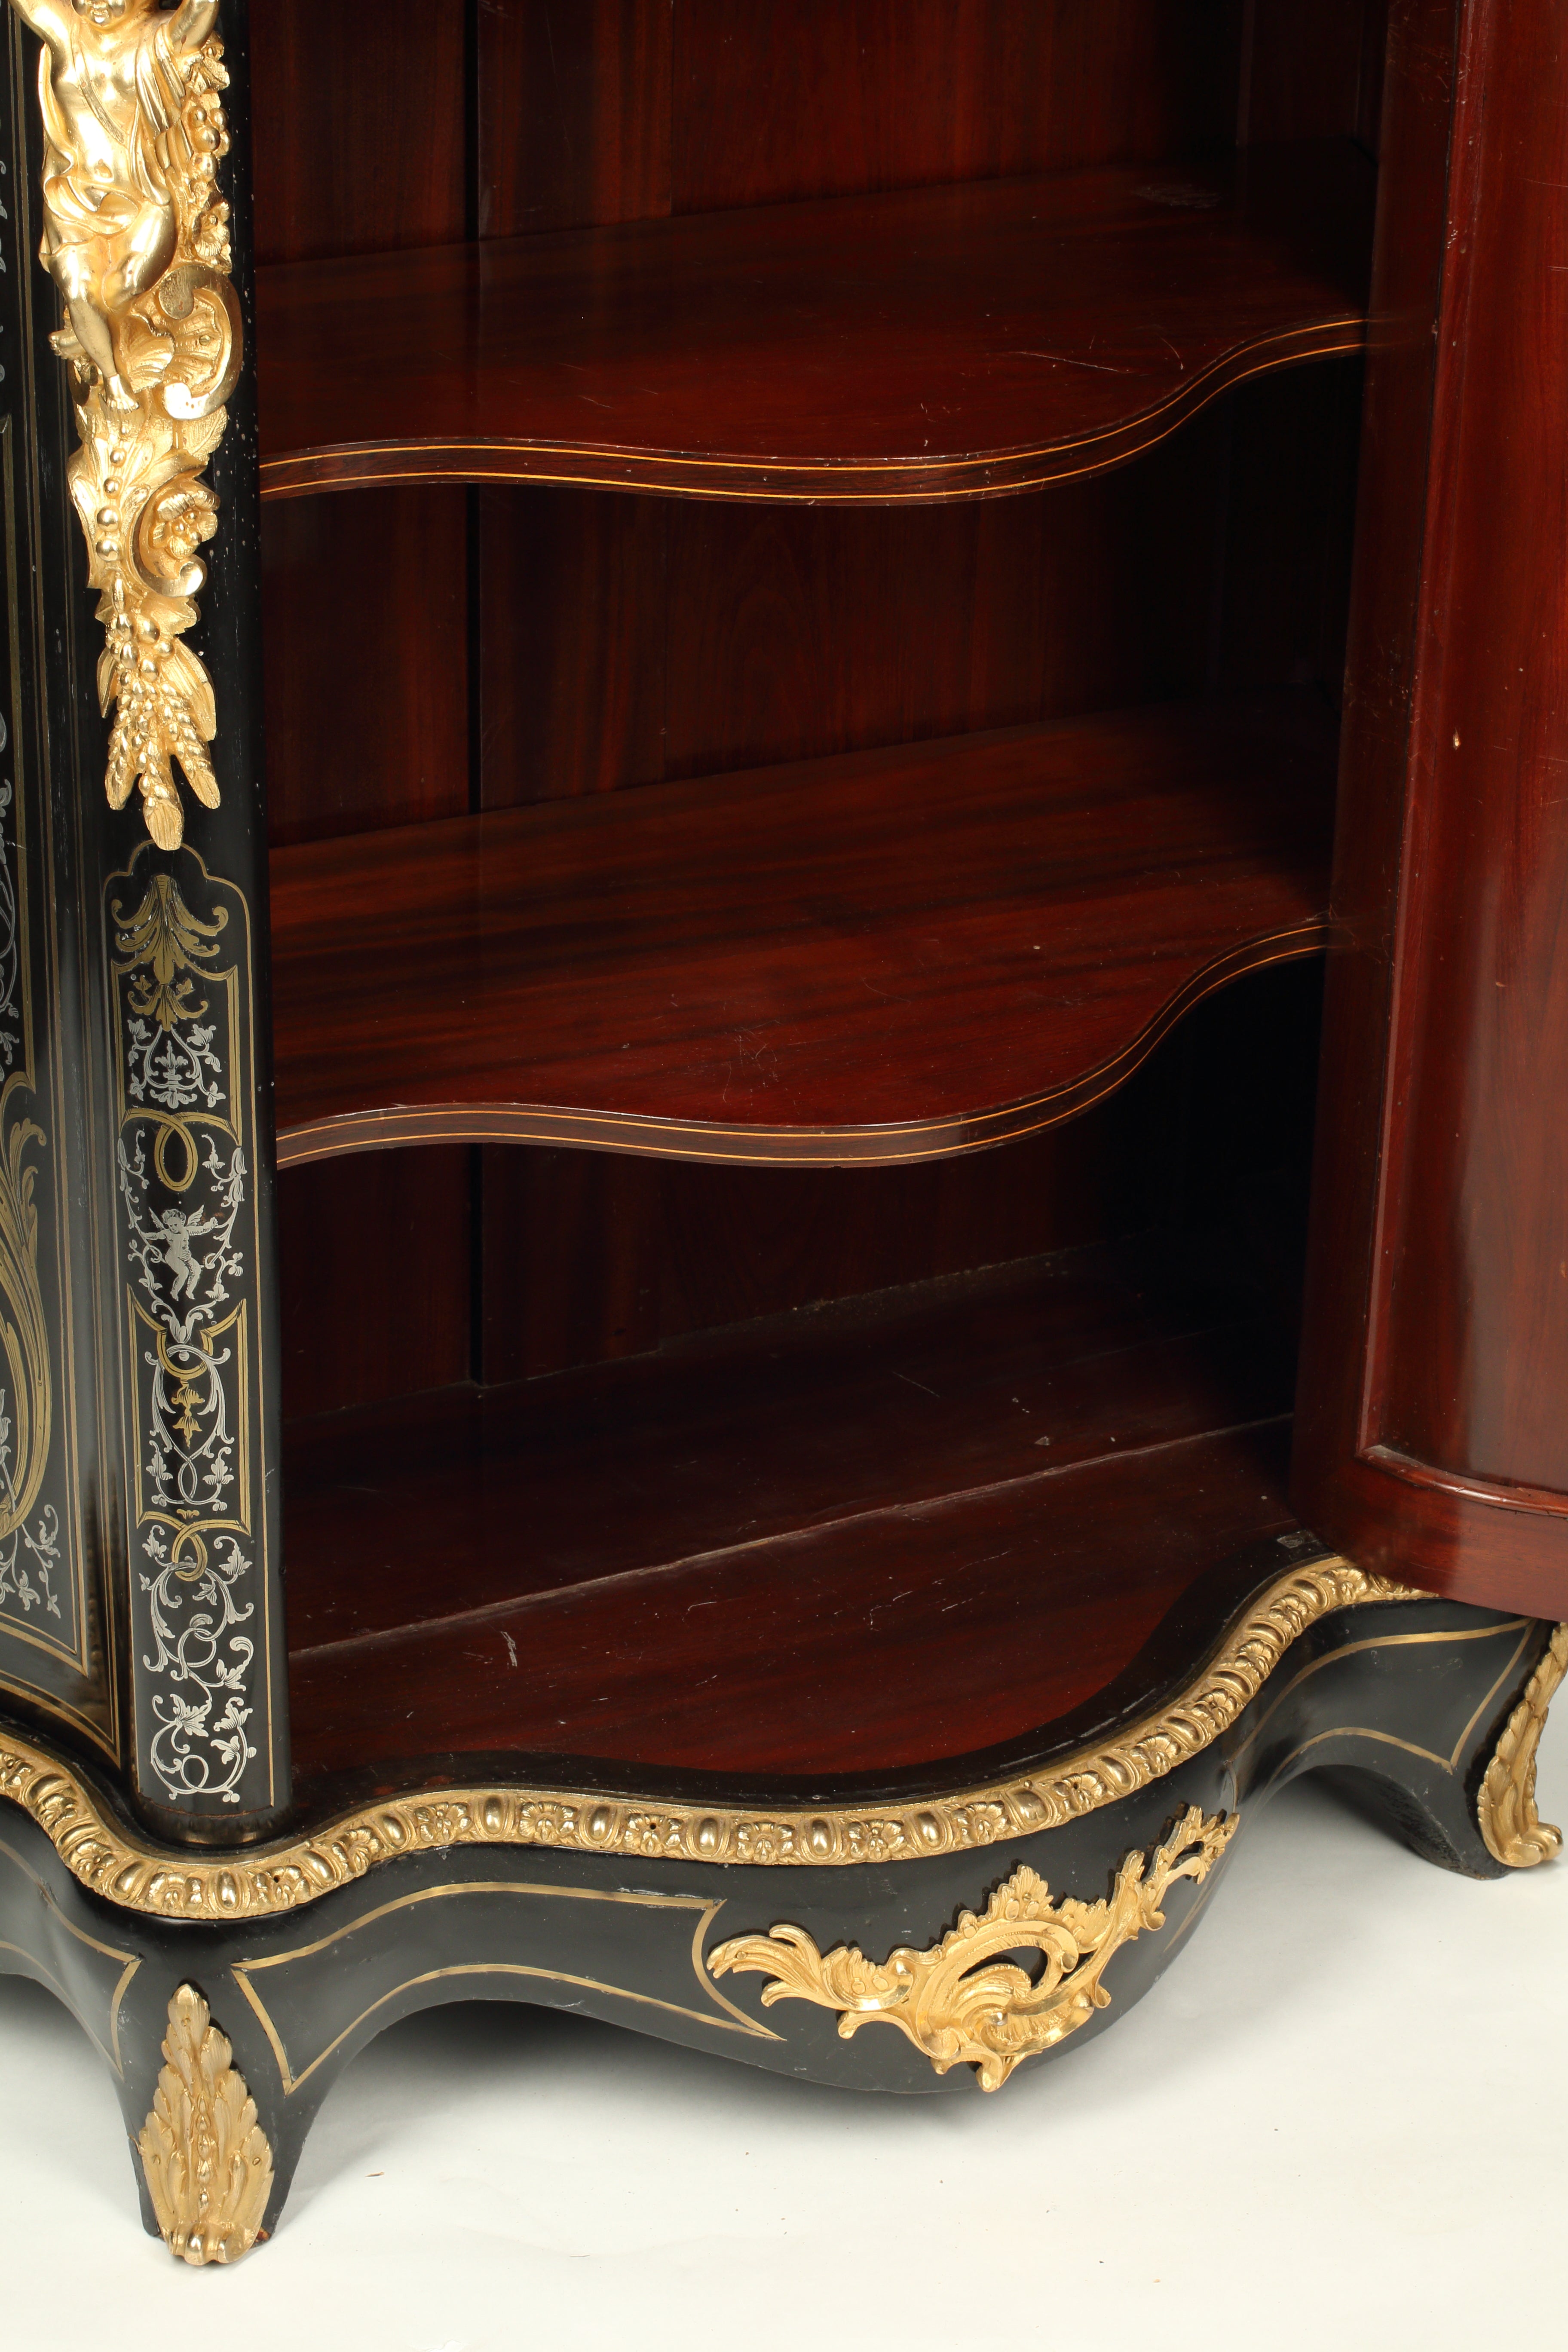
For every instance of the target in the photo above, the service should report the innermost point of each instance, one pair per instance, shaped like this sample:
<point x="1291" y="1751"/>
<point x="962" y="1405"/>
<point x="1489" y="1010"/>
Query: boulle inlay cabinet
<point x="782" y="1009"/>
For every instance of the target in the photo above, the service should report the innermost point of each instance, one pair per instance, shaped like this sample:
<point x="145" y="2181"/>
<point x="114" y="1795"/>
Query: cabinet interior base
<point x="882" y="1539"/>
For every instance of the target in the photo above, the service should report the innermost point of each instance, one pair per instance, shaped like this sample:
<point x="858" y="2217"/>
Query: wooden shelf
<point x="939" y="342"/>
<point x="906" y="1528"/>
<point x="892" y="955"/>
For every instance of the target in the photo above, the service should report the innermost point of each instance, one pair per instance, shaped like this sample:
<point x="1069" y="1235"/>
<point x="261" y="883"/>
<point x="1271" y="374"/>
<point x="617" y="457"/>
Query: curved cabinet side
<point x="59" y="1605"/>
<point x="1432" y="1442"/>
<point x="148" y="504"/>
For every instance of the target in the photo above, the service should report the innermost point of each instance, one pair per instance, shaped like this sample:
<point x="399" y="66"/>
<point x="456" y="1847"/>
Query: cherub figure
<point x="111" y="87"/>
<point x="179" y="1231"/>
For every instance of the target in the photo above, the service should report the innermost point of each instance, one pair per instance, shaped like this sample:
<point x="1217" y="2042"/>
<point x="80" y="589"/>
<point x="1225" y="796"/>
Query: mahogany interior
<point x="930" y="343"/>
<point x="874" y="1540"/>
<point x="602" y="815"/>
<point x="885" y="954"/>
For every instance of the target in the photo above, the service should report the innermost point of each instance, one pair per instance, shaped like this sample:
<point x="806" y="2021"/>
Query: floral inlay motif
<point x="185" y="1197"/>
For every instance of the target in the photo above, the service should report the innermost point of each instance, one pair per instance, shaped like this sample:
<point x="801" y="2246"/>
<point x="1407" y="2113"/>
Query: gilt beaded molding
<point x="112" y="1861"/>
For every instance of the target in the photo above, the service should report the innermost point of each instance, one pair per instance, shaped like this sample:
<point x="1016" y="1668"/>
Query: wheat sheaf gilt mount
<point x="136" y="237"/>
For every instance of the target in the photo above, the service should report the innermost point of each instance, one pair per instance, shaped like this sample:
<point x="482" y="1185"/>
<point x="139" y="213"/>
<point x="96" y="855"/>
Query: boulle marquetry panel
<point x="181" y="949"/>
<point x="41" y="1587"/>
<point x="58" y="1608"/>
<point x="733" y="1139"/>
<point x="152" y="1360"/>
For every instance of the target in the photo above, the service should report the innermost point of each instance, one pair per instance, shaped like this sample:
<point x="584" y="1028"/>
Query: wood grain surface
<point x="927" y="344"/>
<point x="899" y="1529"/>
<point x="917" y="1635"/>
<point x="359" y="144"/>
<point x="1433" y="1435"/>
<point x="889" y="955"/>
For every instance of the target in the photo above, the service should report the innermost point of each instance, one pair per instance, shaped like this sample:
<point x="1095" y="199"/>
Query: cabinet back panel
<point x="394" y="122"/>
<point x="593" y="111"/>
<point x="580" y="642"/>
<point x="591" y="1257"/>
<point x="787" y="640"/>
<point x="627" y="640"/>
<point x="600" y="110"/>
<point x="865" y="94"/>
<point x="365" y="612"/>
<point x="1313" y="72"/>
<point x="361" y="138"/>
<point x="574" y="113"/>
<point x="375" y="1270"/>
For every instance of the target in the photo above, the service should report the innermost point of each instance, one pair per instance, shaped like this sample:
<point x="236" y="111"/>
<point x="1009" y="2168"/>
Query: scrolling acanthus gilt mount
<point x="1514" y="1832"/>
<point x="964" y="2001"/>
<point x="137" y="240"/>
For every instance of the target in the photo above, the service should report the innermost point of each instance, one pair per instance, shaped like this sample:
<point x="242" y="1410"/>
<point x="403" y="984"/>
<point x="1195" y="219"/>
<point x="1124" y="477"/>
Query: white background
<point x="1337" y="2123"/>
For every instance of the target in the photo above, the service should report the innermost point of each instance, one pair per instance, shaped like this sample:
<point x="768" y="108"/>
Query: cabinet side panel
<point x="1475" y="1364"/>
<point x="1432" y="1422"/>
<point x="56" y="1607"/>
<point x="149" y="620"/>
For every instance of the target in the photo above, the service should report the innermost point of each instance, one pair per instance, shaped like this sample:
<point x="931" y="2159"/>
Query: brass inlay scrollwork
<point x="26" y="1410"/>
<point x="110" y="1860"/>
<point x="162" y="941"/>
<point x="207" y="2162"/>
<point x="136" y="237"/>
<point x="1513" y="1830"/>
<point x="34" y="1589"/>
<point x="961" y="2001"/>
<point x="186" y="1228"/>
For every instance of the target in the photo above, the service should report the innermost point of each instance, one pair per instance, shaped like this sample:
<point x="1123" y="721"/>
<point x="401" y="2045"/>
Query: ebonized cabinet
<point x="810" y="1032"/>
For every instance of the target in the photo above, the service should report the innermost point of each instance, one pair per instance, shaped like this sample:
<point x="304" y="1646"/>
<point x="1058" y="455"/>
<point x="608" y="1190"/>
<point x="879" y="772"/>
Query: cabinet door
<point x="1433" y="1435"/>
